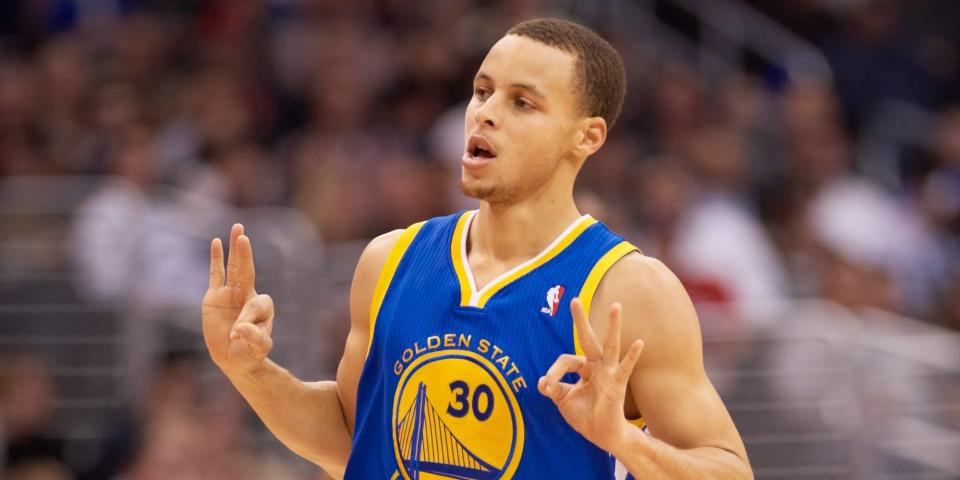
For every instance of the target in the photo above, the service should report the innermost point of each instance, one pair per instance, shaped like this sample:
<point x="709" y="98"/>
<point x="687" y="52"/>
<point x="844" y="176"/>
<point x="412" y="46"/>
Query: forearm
<point x="649" y="458"/>
<point x="306" y="417"/>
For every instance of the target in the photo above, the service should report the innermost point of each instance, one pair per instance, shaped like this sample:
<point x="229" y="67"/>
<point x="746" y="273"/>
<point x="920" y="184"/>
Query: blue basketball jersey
<point x="449" y="386"/>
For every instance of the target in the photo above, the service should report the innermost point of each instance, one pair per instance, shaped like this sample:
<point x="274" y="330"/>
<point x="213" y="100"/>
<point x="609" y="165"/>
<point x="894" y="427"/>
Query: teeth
<point x="478" y="151"/>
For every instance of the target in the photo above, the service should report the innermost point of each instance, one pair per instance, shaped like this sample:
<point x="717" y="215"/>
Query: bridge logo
<point x="455" y="416"/>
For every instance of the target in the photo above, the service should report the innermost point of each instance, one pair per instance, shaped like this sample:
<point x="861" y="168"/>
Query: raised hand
<point x="237" y="322"/>
<point x="594" y="405"/>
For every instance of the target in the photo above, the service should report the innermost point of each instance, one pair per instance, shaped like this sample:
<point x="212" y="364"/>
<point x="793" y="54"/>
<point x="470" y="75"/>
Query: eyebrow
<point x="523" y="86"/>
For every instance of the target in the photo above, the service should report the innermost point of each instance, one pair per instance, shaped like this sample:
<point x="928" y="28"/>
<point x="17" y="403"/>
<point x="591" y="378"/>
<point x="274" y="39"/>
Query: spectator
<point x="28" y="445"/>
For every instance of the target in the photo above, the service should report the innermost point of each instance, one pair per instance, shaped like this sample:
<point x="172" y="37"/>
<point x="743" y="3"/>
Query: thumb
<point x="255" y="340"/>
<point x="254" y="325"/>
<point x="555" y="390"/>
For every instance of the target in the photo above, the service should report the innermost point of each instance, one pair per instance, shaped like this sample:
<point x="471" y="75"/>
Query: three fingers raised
<point x="551" y="385"/>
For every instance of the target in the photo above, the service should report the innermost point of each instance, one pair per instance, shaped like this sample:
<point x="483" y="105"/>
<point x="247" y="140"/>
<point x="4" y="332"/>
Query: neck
<point x="517" y="232"/>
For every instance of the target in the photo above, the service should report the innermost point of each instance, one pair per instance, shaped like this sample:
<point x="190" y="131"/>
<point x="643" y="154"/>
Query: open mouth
<point x="478" y="147"/>
<point x="480" y="152"/>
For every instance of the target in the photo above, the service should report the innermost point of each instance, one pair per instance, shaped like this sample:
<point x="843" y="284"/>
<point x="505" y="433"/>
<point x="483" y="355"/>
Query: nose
<point x="484" y="115"/>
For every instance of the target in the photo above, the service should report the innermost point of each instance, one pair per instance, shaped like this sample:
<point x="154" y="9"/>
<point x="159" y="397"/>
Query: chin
<point x="490" y="193"/>
<point x="474" y="189"/>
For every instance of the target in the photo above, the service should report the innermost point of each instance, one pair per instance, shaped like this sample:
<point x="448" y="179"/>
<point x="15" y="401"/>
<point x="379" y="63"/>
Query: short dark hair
<point x="599" y="76"/>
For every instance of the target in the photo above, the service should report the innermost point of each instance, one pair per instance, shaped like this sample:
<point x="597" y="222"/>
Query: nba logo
<point x="553" y="300"/>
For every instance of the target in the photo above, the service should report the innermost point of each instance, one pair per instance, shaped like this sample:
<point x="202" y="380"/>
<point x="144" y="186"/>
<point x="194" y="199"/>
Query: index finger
<point x="588" y="339"/>
<point x="216" y="263"/>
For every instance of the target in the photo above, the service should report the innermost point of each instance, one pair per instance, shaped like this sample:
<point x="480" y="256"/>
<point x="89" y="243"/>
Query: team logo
<point x="456" y="416"/>
<point x="553" y="300"/>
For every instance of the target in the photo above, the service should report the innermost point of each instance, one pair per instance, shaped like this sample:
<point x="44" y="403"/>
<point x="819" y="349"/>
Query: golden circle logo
<point x="455" y="416"/>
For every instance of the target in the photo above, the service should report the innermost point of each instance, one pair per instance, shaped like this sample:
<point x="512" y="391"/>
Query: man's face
<point x="521" y="120"/>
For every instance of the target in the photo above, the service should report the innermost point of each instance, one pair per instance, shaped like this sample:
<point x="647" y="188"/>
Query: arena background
<point x="797" y="163"/>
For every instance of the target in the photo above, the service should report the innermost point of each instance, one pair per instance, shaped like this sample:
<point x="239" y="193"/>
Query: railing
<point x="103" y="341"/>
<point x="828" y="391"/>
<point x="733" y="26"/>
<point x="727" y="29"/>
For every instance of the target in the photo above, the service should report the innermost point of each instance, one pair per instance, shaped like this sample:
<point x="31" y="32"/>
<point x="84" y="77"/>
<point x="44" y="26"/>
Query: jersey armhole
<point x="593" y="281"/>
<point x="638" y="422"/>
<point x="590" y="288"/>
<point x="387" y="272"/>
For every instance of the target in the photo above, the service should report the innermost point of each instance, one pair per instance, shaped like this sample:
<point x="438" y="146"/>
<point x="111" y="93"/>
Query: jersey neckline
<point x="469" y="295"/>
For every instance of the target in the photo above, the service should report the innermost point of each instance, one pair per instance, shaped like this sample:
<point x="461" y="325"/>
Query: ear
<point x="592" y="134"/>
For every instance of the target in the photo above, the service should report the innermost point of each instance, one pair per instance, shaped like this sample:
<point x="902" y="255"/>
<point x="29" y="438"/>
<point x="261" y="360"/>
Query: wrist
<point x="628" y="438"/>
<point x="243" y="372"/>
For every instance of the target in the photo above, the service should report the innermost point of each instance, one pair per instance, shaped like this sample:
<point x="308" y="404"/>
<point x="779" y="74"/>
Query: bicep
<point x="361" y="294"/>
<point x="669" y="386"/>
<point x="683" y="408"/>
<point x="348" y="373"/>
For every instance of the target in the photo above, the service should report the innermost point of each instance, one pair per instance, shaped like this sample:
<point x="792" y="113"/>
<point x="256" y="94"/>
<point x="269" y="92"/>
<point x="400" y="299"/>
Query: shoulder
<point x="640" y="277"/>
<point x="654" y="301"/>
<point x="381" y="245"/>
<point x="639" y="273"/>
<point x="381" y="250"/>
<point x="371" y="262"/>
<point x="376" y="252"/>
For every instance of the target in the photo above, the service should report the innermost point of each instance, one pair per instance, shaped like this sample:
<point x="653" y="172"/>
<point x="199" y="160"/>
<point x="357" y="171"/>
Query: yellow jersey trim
<point x="469" y="295"/>
<point x="387" y="272"/>
<point x="593" y="281"/>
<point x="459" y="242"/>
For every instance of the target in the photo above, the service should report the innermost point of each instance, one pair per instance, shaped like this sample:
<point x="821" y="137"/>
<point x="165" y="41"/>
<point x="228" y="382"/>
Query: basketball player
<point x="473" y="350"/>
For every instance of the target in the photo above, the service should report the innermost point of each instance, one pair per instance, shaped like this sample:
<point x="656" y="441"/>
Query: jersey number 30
<point x="482" y="400"/>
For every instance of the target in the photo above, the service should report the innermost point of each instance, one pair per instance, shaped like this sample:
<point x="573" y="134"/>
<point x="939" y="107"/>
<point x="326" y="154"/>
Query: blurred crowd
<point x="754" y="187"/>
<point x="177" y="429"/>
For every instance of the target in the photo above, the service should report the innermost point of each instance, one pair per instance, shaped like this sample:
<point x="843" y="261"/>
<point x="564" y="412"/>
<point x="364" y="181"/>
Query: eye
<point x="481" y="93"/>
<point x="524" y="104"/>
